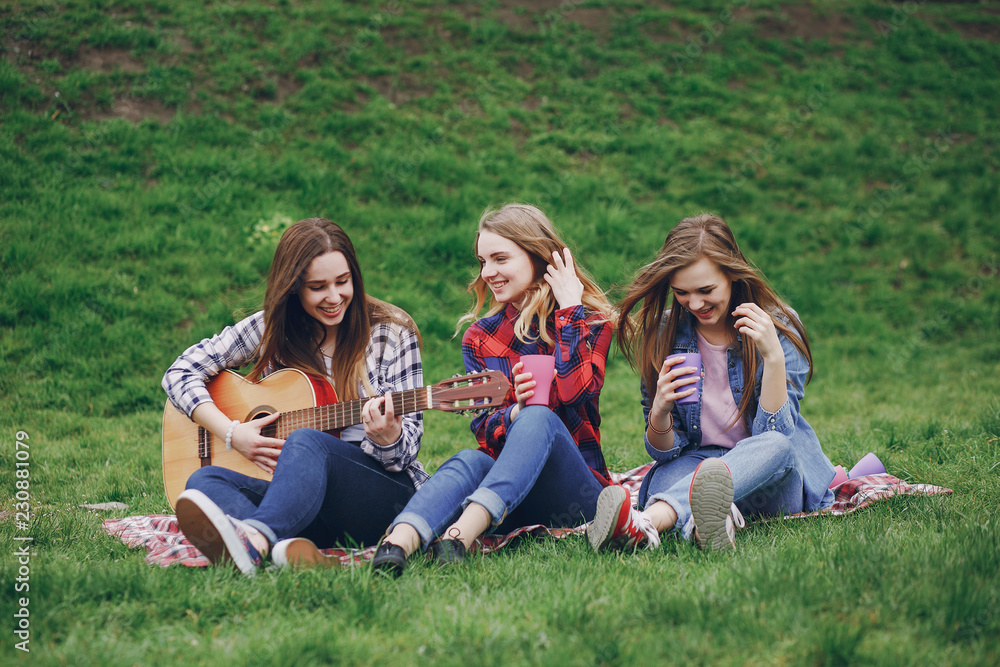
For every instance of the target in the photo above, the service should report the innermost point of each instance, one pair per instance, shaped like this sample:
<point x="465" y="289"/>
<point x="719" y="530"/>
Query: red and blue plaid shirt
<point x="583" y="342"/>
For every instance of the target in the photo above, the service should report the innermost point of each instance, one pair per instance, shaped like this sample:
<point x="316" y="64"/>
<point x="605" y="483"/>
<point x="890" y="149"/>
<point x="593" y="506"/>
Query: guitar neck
<point x="341" y="415"/>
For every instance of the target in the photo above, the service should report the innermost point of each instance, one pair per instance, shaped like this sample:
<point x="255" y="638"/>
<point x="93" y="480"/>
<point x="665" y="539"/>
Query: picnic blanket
<point x="166" y="545"/>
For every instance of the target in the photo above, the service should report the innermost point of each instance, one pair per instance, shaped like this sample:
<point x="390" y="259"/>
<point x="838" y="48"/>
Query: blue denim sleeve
<point x="787" y="416"/>
<point x="680" y="434"/>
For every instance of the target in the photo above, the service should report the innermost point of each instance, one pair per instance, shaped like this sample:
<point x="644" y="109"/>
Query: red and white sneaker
<point x="712" y="508"/>
<point x="617" y="525"/>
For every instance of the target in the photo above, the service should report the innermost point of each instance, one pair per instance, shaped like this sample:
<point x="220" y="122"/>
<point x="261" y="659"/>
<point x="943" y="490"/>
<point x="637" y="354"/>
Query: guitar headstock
<point x="475" y="391"/>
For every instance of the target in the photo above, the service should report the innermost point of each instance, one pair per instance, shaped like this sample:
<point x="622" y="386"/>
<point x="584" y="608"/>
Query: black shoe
<point x="447" y="551"/>
<point x="389" y="559"/>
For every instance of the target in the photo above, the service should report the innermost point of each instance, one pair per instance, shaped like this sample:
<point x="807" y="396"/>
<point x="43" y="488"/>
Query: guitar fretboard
<point x="340" y="415"/>
<point x="329" y="417"/>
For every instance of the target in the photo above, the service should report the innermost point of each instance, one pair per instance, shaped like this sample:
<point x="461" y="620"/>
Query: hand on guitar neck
<point x="381" y="424"/>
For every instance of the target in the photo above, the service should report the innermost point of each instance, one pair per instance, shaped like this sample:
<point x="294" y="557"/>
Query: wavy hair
<point x="532" y="231"/>
<point x="646" y="339"/>
<point x="292" y="338"/>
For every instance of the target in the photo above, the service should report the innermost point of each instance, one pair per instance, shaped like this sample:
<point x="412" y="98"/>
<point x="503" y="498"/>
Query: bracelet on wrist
<point x="657" y="431"/>
<point x="229" y="434"/>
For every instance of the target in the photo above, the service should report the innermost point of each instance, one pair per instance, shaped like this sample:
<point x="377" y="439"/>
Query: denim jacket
<point x="816" y="468"/>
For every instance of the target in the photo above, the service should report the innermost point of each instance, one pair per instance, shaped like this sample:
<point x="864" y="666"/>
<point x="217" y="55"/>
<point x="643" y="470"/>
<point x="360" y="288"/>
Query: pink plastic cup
<point x="542" y="368"/>
<point x="690" y="359"/>
<point x="868" y="465"/>
<point x="839" y="478"/>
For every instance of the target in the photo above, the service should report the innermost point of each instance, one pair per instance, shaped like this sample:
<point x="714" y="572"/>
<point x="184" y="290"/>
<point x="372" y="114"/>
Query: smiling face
<point x="505" y="267"/>
<point x="703" y="289"/>
<point x="327" y="290"/>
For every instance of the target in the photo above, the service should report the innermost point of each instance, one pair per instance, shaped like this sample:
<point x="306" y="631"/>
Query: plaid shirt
<point x="392" y="361"/>
<point x="583" y="344"/>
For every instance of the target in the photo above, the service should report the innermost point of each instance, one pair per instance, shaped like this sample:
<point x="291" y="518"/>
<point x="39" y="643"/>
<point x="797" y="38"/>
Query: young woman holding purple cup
<point x="739" y="445"/>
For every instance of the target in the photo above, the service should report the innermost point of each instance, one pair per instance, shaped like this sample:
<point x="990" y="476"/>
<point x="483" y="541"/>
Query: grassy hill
<point x="150" y="153"/>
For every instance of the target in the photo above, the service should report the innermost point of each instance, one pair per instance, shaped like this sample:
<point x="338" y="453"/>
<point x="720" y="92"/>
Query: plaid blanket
<point x="166" y="545"/>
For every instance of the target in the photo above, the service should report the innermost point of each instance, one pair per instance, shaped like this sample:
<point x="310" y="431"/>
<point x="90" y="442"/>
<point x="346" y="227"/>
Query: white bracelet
<point x="229" y="434"/>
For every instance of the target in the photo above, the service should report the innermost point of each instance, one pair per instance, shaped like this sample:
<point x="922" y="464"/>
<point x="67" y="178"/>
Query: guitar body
<point x="282" y="391"/>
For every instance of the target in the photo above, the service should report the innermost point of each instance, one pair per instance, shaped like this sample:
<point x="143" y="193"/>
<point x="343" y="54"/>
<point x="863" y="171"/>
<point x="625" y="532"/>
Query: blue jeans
<point x="767" y="479"/>
<point x="539" y="478"/>
<point x="323" y="488"/>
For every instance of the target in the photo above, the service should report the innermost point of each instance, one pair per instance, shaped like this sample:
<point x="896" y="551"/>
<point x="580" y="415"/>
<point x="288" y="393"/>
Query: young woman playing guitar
<point x="318" y="319"/>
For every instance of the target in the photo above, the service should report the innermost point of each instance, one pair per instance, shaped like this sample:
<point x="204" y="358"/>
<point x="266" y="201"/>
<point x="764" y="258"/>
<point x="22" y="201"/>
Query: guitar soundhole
<point x="263" y="411"/>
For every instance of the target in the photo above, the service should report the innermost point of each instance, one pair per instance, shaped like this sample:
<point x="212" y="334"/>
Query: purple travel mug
<point x="690" y="359"/>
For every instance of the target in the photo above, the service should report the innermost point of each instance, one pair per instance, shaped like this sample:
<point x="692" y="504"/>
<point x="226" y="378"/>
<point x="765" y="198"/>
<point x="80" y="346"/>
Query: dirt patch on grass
<point x="184" y="45"/>
<point x="109" y="60"/>
<point x="806" y="22"/>
<point x="975" y="30"/>
<point x="542" y="15"/>
<point x="413" y="45"/>
<point x="287" y="86"/>
<point x="400" y="89"/>
<point x="597" y="21"/>
<point x="532" y="103"/>
<point x="663" y="30"/>
<point x="136" y="110"/>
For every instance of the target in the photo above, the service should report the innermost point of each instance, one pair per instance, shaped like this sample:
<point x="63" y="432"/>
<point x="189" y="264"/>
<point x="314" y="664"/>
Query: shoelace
<point x="645" y="524"/>
<point x="737" y="516"/>
<point x="734" y="520"/>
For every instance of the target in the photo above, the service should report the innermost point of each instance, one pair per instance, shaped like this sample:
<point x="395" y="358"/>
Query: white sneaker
<point x="300" y="552"/>
<point x="711" y="497"/>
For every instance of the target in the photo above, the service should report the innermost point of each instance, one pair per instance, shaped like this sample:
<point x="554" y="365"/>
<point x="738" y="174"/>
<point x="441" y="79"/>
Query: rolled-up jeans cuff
<point x="684" y="523"/>
<point x="491" y="502"/>
<point x="264" y="529"/>
<point x="419" y="524"/>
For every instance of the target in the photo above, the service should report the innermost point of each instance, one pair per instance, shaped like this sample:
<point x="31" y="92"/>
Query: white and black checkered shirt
<point x="392" y="361"/>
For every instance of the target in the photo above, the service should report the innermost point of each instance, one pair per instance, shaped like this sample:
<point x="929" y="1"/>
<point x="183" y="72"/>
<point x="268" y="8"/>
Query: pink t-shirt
<point x="718" y="407"/>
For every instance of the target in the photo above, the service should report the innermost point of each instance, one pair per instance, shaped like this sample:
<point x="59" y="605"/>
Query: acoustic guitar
<point x="304" y="402"/>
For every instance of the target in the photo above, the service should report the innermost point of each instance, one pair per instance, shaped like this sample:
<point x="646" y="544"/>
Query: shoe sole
<point x="209" y="529"/>
<point x="609" y="506"/>
<point x="302" y="553"/>
<point x="711" y="495"/>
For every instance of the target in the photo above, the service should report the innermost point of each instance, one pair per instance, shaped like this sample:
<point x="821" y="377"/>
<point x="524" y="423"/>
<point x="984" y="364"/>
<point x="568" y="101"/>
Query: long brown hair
<point x="646" y="344"/>
<point x="292" y="338"/>
<point x="532" y="231"/>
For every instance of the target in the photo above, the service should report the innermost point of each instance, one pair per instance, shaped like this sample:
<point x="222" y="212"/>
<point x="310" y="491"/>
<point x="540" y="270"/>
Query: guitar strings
<point x="338" y="415"/>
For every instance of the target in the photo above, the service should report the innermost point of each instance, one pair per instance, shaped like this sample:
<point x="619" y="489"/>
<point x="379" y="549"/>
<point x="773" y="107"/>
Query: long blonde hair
<point x="533" y="232"/>
<point x="641" y="338"/>
<point x="292" y="338"/>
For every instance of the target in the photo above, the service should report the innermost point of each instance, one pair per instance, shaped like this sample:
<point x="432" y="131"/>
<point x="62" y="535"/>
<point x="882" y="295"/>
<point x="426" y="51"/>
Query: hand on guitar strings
<point x="381" y="424"/>
<point x="261" y="450"/>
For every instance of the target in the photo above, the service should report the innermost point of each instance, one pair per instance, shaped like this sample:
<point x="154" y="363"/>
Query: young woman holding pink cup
<point x="742" y="446"/>
<point x="536" y="463"/>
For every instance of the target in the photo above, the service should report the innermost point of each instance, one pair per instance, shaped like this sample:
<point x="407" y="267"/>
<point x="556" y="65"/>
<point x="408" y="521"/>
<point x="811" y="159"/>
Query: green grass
<point x="852" y="147"/>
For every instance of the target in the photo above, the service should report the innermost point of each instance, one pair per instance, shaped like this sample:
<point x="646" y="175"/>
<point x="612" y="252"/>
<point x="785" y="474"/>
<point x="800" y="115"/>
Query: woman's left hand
<point x="754" y="323"/>
<point x="561" y="277"/>
<point x="383" y="429"/>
